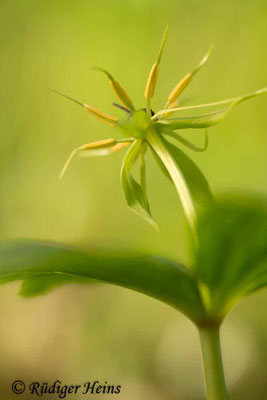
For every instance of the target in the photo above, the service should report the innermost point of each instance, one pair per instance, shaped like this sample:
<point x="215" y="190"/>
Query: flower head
<point x="143" y="129"/>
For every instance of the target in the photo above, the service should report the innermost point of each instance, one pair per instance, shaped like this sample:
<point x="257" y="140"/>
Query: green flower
<point x="144" y="129"/>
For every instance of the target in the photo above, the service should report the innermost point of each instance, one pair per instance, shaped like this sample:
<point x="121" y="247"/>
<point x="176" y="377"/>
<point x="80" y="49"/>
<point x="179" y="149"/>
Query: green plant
<point x="230" y="263"/>
<point x="143" y="129"/>
<point x="230" y="242"/>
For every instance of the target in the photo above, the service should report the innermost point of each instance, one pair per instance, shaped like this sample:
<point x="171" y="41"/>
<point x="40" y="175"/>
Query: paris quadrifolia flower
<point x="144" y="129"/>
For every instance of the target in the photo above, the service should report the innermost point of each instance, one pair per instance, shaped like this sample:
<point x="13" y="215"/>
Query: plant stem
<point x="213" y="365"/>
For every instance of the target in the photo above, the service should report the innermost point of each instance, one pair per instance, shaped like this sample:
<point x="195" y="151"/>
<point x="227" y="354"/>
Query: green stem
<point x="213" y="365"/>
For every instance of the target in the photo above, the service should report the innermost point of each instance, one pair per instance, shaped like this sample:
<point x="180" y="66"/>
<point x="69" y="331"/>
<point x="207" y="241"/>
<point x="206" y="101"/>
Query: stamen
<point x="99" y="145"/>
<point x="153" y="75"/>
<point x="151" y="82"/>
<point x="109" y="144"/>
<point x="101" y="115"/>
<point x="120" y="92"/>
<point x="92" y="110"/>
<point x="184" y="82"/>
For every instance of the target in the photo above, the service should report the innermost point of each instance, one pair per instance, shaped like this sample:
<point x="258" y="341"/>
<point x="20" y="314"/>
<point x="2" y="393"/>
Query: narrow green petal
<point x="197" y="122"/>
<point x="133" y="191"/>
<point x="190" y="183"/>
<point x="188" y="144"/>
<point x="143" y="168"/>
<point x="231" y="103"/>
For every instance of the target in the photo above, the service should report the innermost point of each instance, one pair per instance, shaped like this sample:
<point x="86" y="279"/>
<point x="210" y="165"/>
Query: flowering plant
<point x="230" y="252"/>
<point x="143" y="129"/>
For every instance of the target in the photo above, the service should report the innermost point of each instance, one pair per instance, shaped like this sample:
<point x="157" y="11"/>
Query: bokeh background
<point x="80" y="333"/>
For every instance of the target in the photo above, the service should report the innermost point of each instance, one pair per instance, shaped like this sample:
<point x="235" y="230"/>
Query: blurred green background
<point x="81" y="333"/>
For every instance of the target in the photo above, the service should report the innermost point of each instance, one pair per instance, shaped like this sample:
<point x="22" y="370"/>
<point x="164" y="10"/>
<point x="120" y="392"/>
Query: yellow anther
<point x="101" y="115"/>
<point x="179" y="88"/>
<point x="119" y="91"/>
<point x="99" y="145"/>
<point x="122" y="95"/>
<point x="175" y="104"/>
<point x="153" y="76"/>
<point x="151" y="82"/>
<point x="111" y="145"/>
<point x="119" y="146"/>
<point x="92" y="110"/>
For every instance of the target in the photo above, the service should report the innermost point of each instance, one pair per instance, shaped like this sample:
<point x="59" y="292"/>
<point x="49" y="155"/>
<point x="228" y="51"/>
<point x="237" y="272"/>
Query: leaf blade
<point x="159" y="278"/>
<point x="231" y="260"/>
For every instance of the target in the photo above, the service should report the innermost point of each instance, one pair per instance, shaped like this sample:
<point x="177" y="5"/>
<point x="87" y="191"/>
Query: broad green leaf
<point x="231" y="260"/>
<point x="165" y="280"/>
<point x="43" y="284"/>
<point x="206" y="120"/>
<point x="134" y="193"/>
<point x="189" y="181"/>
